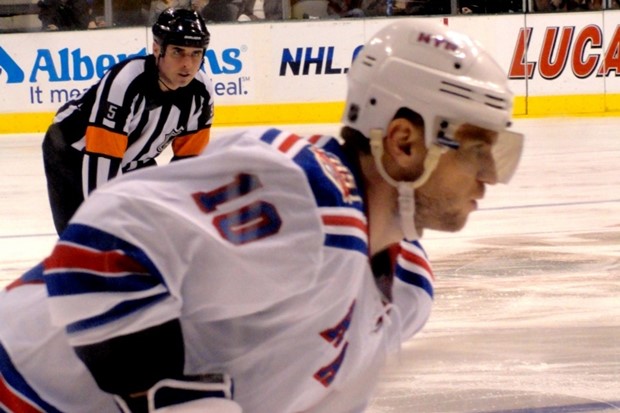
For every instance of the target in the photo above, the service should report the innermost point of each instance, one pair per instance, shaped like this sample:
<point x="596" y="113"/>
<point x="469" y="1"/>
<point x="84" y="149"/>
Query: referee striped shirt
<point x="125" y="121"/>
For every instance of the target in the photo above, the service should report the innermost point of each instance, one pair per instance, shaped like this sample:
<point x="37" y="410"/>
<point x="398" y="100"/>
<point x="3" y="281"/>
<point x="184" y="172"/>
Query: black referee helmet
<point x="181" y="27"/>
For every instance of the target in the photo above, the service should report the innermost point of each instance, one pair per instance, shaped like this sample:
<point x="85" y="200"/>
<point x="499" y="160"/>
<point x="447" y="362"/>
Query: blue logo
<point x="227" y="62"/>
<point x="74" y="66"/>
<point x="13" y="72"/>
<point x="306" y="61"/>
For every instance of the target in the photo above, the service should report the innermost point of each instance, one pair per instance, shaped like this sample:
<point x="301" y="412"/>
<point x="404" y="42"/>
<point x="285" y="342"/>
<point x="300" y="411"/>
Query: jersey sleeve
<point x="412" y="290"/>
<point x="193" y="239"/>
<point x="106" y="138"/>
<point x="198" y="134"/>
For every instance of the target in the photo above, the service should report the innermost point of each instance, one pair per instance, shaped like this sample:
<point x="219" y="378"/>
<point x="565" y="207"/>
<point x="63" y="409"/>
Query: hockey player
<point x="290" y="267"/>
<point x="131" y="115"/>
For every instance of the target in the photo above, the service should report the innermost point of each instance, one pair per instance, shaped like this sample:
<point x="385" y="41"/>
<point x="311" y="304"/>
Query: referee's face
<point x="178" y="66"/>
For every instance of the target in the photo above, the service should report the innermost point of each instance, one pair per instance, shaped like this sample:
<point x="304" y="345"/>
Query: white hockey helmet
<point x="443" y="75"/>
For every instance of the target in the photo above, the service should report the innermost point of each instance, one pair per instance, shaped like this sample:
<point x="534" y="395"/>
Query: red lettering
<point x="424" y="38"/>
<point x="612" y="56"/>
<point x="451" y="46"/>
<point x="437" y="41"/>
<point x="550" y="67"/>
<point x="327" y="374"/>
<point x="519" y="68"/>
<point x="558" y="46"/>
<point x="335" y="334"/>
<point x="584" y="66"/>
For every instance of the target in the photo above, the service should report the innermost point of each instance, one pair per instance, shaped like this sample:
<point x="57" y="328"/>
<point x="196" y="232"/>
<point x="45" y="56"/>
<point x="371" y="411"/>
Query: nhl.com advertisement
<point x="575" y="61"/>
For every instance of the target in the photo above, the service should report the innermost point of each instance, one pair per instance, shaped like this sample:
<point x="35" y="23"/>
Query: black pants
<point x="63" y="171"/>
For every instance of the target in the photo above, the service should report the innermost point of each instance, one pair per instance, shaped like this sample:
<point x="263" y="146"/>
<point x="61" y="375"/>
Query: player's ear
<point x="404" y="143"/>
<point x="156" y="48"/>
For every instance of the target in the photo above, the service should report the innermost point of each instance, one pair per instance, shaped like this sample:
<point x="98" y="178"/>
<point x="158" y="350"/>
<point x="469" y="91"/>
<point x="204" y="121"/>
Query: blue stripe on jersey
<point x="98" y="240"/>
<point x="325" y="192"/>
<point x="332" y="145"/>
<point x="117" y="312"/>
<point x="33" y="275"/>
<point x="84" y="242"/>
<point x="64" y="283"/>
<point x="18" y="385"/>
<point x="346" y="242"/>
<point x="270" y="135"/>
<point x="417" y="244"/>
<point x="415" y="279"/>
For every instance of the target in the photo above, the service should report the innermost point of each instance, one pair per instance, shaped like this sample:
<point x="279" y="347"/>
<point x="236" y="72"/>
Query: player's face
<point x="179" y="65"/>
<point x="444" y="202"/>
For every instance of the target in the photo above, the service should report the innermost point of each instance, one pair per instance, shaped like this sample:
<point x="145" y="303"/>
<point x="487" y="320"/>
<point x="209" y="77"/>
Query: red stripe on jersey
<point x="314" y="138"/>
<point x="288" y="142"/>
<point x="19" y="282"/>
<point x="14" y="401"/>
<point x="417" y="260"/>
<point x="338" y="220"/>
<point x="71" y="256"/>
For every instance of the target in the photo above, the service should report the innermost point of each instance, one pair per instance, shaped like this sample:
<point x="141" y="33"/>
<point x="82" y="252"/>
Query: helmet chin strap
<point x="406" y="189"/>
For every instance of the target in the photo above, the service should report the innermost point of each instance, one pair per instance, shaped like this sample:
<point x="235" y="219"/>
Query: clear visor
<point x="507" y="153"/>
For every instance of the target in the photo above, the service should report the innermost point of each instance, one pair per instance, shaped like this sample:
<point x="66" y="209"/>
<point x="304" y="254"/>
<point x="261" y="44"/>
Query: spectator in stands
<point x="221" y="11"/>
<point x="239" y="10"/>
<point x="125" y="13"/>
<point x="274" y="10"/>
<point x="432" y="7"/>
<point x="549" y="5"/>
<point x="489" y="6"/>
<point x="577" y="5"/>
<point x="592" y="4"/>
<point x="348" y="8"/>
<point x="372" y="8"/>
<point x="420" y="7"/>
<point x="246" y="11"/>
<point x="65" y="15"/>
<point x="567" y="5"/>
<point x="158" y="6"/>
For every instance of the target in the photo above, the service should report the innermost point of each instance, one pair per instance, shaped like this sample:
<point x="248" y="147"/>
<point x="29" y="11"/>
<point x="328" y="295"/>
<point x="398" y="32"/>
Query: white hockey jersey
<point x="260" y="248"/>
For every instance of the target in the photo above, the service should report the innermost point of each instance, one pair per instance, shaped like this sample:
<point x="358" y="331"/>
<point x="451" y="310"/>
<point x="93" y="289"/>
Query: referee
<point x="123" y="122"/>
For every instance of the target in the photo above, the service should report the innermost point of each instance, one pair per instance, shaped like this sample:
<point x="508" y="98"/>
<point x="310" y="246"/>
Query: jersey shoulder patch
<point x="331" y="181"/>
<point x="333" y="185"/>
